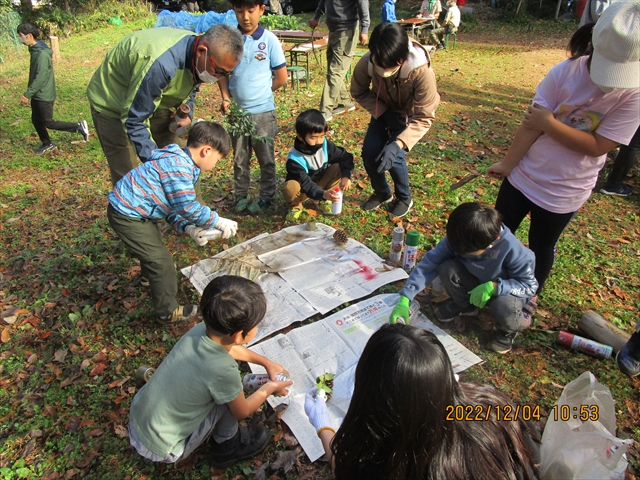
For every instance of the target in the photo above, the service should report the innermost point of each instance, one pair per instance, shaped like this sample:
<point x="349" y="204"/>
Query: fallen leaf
<point x="117" y="383"/>
<point x="285" y="460"/>
<point x="122" y="432"/>
<point x="65" y="292"/>
<point x="60" y="355"/>
<point x="5" y="335"/>
<point x="261" y="473"/>
<point x="85" y="363"/>
<point x="619" y="292"/>
<point x="73" y="423"/>
<point x="99" y="357"/>
<point x="96" y="432"/>
<point x="71" y="473"/>
<point x="88" y="460"/>
<point x="97" y="370"/>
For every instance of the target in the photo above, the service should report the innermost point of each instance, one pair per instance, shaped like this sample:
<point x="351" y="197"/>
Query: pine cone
<point x="340" y="236"/>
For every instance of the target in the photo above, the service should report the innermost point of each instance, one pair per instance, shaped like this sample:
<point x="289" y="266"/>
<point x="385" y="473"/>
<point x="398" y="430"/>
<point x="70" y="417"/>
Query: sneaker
<point x="503" y="342"/>
<point x="180" y="313"/>
<point x="242" y="203"/>
<point x="621" y="190"/>
<point x="325" y="207"/>
<point x="399" y="208"/>
<point x="328" y="116"/>
<point x="294" y="215"/>
<point x="375" y="201"/>
<point x="83" y="129"/>
<point x="628" y="359"/>
<point x="45" y="148"/>
<point x="440" y="47"/>
<point x="259" y="206"/>
<point x="449" y="311"/>
<point x="247" y="443"/>
<point x="144" y="281"/>
<point x="527" y="312"/>
<point x="345" y="109"/>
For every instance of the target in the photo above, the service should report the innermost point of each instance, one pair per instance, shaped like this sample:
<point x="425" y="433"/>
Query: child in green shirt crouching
<point x="196" y="391"/>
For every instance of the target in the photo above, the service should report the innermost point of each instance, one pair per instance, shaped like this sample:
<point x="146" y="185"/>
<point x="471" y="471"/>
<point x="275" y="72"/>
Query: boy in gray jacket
<point x="479" y="260"/>
<point x="42" y="90"/>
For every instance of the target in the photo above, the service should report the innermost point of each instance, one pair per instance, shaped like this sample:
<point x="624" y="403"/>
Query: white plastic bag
<point x="576" y="449"/>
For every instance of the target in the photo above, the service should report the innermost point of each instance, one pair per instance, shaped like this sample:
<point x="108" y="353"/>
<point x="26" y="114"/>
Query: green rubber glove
<point x="481" y="294"/>
<point x="401" y="310"/>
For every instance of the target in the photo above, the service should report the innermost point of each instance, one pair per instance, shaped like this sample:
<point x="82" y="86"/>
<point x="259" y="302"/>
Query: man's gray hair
<point x="223" y="39"/>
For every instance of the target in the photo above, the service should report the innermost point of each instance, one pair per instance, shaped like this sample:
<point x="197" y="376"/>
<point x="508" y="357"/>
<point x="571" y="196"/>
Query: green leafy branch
<point x="239" y="123"/>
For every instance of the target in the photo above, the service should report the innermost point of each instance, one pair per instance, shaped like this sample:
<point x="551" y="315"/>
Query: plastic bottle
<point x="395" y="252"/>
<point x="410" y="250"/>
<point x="211" y="233"/>
<point x="182" y="112"/>
<point x="253" y="381"/>
<point x="336" y="206"/>
<point x="584" y="345"/>
<point x="437" y="288"/>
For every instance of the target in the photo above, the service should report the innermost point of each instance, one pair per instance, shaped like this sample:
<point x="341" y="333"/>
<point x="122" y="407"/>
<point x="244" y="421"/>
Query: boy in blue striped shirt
<point x="163" y="188"/>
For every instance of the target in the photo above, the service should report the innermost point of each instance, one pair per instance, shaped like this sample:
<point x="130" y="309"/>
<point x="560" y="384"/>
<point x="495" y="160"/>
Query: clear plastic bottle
<point x="253" y="381"/>
<point x="182" y="112"/>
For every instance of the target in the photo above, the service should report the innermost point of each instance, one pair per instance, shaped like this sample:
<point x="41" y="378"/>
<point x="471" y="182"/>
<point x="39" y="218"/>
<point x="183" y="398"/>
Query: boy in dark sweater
<point x="42" y="90"/>
<point x="315" y="166"/>
<point x="479" y="261"/>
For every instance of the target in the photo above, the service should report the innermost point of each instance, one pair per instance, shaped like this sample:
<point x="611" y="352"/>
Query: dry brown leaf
<point x="121" y="431"/>
<point x="97" y="370"/>
<point x="118" y="383"/>
<point x="85" y="363"/>
<point x="65" y="292"/>
<point x="5" y="335"/>
<point x="96" y="432"/>
<point x="99" y="357"/>
<point x="60" y="355"/>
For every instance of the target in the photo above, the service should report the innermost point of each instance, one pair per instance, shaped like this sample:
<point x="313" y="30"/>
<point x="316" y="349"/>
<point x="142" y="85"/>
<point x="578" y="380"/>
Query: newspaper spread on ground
<point x="301" y="272"/>
<point x="334" y="345"/>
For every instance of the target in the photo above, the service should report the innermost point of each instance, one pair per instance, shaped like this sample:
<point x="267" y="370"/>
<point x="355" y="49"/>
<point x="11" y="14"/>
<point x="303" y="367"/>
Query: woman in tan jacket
<point x="395" y="83"/>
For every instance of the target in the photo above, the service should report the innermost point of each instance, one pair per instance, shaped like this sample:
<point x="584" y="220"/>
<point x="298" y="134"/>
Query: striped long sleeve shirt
<point x="163" y="187"/>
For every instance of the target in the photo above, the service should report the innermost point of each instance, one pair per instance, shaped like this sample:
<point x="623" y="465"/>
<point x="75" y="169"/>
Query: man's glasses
<point x="217" y="70"/>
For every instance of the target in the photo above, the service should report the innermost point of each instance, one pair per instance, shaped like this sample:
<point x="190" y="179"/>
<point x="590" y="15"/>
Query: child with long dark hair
<point x="582" y="109"/>
<point x="397" y="427"/>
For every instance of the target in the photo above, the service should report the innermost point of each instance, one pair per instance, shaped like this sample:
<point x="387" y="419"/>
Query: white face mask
<point x="206" y="76"/>
<point x="606" y="89"/>
<point x="386" y="73"/>
<point x="23" y="40"/>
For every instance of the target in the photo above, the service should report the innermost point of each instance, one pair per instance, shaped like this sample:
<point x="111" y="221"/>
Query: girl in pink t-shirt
<point x="582" y="109"/>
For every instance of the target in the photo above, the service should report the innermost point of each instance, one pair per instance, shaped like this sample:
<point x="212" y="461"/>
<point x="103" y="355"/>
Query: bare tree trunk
<point x="26" y="5"/>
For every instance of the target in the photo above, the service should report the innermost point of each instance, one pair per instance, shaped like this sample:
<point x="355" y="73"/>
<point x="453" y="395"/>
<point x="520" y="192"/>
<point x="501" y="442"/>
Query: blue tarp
<point x="195" y="23"/>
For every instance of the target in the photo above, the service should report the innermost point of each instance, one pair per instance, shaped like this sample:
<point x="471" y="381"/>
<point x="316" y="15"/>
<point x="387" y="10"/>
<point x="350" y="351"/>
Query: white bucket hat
<point x="616" y="46"/>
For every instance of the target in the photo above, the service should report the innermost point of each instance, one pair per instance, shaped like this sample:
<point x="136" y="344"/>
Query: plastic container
<point x="336" y="206"/>
<point x="395" y="252"/>
<point x="584" y="345"/>
<point x="144" y="374"/>
<point x="253" y="381"/>
<point x="437" y="288"/>
<point x="182" y="112"/>
<point x="211" y="233"/>
<point x="410" y="250"/>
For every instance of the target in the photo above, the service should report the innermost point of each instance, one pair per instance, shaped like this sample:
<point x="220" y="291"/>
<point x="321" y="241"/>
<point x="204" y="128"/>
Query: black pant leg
<point x="626" y="158"/>
<point x="38" y="116"/>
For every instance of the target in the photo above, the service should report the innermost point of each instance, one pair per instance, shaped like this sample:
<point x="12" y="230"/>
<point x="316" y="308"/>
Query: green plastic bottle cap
<point x="412" y="239"/>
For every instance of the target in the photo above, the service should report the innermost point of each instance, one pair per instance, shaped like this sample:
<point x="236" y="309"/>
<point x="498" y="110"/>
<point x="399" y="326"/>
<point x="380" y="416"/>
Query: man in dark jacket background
<point x="42" y="90"/>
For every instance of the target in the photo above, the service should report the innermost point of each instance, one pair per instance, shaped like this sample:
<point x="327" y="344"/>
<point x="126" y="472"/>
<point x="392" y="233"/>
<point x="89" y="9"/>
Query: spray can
<point x="336" y="206"/>
<point x="144" y="374"/>
<point x="253" y="381"/>
<point x="182" y="112"/>
<point x="395" y="252"/>
<point x="410" y="250"/>
<point x="584" y="345"/>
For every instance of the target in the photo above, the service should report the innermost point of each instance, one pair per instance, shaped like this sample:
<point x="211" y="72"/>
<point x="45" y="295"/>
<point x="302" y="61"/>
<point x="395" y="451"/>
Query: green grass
<point x="63" y="265"/>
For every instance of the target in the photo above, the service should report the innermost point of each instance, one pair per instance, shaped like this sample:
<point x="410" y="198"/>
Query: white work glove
<point x="227" y="227"/>
<point x="316" y="409"/>
<point x="195" y="234"/>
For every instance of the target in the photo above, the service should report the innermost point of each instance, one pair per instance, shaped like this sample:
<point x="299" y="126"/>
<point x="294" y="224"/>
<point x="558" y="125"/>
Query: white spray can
<point x="336" y="206"/>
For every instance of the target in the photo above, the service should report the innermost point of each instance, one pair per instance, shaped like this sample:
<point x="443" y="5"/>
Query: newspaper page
<point x="334" y="345"/>
<point x="301" y="272"/>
